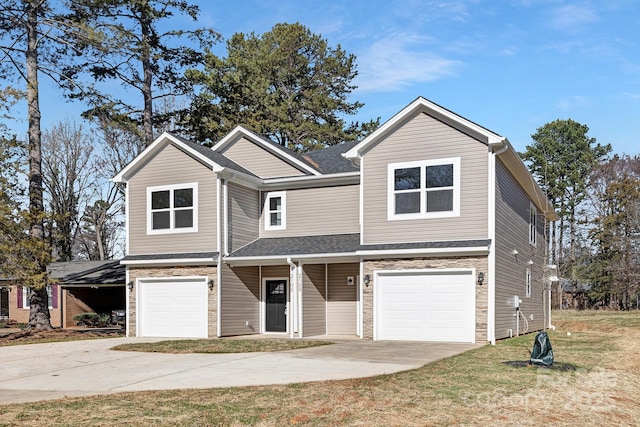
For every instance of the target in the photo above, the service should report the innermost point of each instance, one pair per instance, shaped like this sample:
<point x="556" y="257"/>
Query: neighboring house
<point x="4" y="299"/>
<point x="14" y="302"/>
<point x="89" y="287"/>
<point x="426" y="230"/>
<point x="78" y="287"/>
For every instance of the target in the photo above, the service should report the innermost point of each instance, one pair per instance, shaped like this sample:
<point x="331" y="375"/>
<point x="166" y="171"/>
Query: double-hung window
<point x="533" y="214"/>
<point x="424" y="189"/>
<point x="275" y="215"/>
<point x="172" y="209"/>
<point x="26" y="292"/>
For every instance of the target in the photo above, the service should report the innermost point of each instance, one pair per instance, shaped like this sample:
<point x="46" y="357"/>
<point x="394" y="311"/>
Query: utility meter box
<point x="516" y="302"/>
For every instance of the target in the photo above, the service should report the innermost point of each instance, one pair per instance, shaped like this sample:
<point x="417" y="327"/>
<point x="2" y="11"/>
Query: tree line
<point x="596" y="243"/>
<point x="138" y="75"/>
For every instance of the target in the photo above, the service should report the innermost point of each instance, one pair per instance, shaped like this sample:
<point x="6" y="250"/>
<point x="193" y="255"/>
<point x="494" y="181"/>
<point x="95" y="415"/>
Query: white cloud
<point x="572" y="17"/>
<point x="398" y="61"/>
<point x="573" y="102"/>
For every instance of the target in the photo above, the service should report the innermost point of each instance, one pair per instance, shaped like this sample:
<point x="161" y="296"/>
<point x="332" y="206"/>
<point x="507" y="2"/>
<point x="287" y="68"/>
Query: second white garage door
<point x="172" y="308"/>
<point x="425" y="306"/>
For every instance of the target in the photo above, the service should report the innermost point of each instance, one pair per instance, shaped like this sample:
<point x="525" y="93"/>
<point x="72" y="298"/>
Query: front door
<point x="4" y="303"/>
<point x="276" y="305"/>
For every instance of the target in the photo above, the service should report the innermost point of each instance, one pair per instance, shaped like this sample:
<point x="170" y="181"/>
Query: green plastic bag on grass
<point x="542" y="353"/>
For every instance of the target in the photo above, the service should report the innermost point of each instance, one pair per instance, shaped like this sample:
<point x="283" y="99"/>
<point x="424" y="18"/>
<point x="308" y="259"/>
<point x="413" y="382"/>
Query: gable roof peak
<point x="273" y="147"/>
<point x="423" y="105"/>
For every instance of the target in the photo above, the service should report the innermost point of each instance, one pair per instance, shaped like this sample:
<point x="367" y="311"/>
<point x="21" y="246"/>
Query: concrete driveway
<point x="82" y="368"/>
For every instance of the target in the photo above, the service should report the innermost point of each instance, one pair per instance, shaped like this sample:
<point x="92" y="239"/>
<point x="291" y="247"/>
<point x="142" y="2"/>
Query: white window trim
<point x="528" y="283"/>
<point x="533" y="225"/>
<point x="283" y="213"/>
<point x="171" y="229"/>
<point x="391" y="200"/>
<point x="25" y="297"/>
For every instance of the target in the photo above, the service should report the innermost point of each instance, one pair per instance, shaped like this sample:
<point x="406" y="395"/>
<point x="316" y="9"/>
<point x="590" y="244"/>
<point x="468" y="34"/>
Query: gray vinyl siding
<point x="240" y="300"/>
<point x="258" y="160"/>
<point x="317" y="211"/>
<point x="424" y="138"/>
<point x="244" y="212"/>
<point x="342" y="304"/>
<point x="276" y="272"/>
<point x="512" y="232"/>
<point x="168" y="167"/>
<point x="314" y="309"/>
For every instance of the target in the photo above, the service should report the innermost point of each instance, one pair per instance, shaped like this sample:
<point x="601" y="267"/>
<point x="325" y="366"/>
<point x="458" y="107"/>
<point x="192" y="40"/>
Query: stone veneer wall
<point x="479" y="263"/>
<point x="166" y="272"/>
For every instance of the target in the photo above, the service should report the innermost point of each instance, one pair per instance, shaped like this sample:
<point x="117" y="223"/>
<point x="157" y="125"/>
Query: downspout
<point x="219" y="250"/>
<point x="127" y="303"/>
<point x="326" y="298"/>
<point x="360" y="327"/>
<point x="225" y="218"/>
<point x="300" y="310"/>
<point x="293" y="268"/>
<point x="491" y="261"/>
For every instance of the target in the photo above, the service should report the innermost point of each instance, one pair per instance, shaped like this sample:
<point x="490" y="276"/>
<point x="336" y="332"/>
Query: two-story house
<point x="429" y="229"/>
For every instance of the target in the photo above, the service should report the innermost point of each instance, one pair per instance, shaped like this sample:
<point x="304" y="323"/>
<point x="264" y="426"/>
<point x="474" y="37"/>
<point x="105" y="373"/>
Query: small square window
<point x="275" y="211"/>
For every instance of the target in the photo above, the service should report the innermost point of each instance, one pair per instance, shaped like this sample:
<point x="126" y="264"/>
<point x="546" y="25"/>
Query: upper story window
<point x="275" y="216"/>
<point x="424" y="189"/>
<point x="533" y="215"/>
<point x="172" y="209"/>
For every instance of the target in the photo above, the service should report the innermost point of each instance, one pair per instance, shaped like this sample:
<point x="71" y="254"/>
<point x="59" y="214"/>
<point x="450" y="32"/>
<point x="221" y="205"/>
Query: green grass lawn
<point x="219" y="346"/>
<point x="474" y="388"/>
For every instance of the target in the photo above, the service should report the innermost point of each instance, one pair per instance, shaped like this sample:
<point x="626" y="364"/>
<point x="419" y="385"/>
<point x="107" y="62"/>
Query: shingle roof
<point x="427" y="245"/>
<point x="88" y="272"/>
<point x="159" y="257"/>
<point x="305" y="245"/>
<point x="330" y="160"/>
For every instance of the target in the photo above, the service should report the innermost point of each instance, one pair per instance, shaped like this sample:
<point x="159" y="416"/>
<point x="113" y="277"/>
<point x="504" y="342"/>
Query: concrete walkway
<point x="82" y="368"/>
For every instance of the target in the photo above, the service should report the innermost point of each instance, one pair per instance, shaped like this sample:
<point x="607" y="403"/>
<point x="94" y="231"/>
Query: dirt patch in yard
<point x="14" y="337"/>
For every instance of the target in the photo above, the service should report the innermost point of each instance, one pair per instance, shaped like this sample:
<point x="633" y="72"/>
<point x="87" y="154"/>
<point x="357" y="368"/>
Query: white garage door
<point x="173" y="308"/>
<point x="425" y="306"/>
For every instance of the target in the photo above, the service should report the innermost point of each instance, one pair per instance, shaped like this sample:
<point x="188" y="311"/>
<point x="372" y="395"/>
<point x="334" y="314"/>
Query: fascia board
<point x="314" y="181"/>
<point x="240" y="178"/>
<point x="240" y="131"/>
<point x="91" y="285"/>
<point x="387" y="253"/>
<point x="176" y="261"/>
<point x="254" y="260"/>
<point x="157" y="145"/>
<point x="365" y="254"/>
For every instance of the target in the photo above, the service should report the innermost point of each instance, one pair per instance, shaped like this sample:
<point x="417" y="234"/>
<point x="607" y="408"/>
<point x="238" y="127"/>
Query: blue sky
<point x="511" y="66"/>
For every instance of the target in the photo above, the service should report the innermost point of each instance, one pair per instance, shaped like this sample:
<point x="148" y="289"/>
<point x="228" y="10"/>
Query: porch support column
<point x="293" y="286"/>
